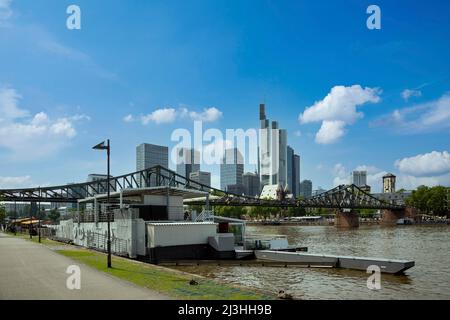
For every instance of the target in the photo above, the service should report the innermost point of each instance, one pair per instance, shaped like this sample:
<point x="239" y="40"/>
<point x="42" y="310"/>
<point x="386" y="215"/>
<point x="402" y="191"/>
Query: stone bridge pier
<point x="390" y="217"/>
<point x="346" y="219"/>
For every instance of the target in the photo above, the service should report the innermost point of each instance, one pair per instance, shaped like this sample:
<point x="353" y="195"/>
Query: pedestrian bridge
<point x="340" y="197"/>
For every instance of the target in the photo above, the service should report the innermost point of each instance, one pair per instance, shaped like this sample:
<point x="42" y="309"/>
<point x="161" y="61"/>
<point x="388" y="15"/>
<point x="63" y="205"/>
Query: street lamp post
<point x="107" y="147"/>
<point x="39" y="215"/>
<point x="31" y="220"/>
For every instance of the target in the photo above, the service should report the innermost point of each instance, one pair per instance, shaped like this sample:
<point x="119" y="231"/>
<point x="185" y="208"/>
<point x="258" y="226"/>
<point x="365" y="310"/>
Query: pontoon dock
<point x="347" y="262"/>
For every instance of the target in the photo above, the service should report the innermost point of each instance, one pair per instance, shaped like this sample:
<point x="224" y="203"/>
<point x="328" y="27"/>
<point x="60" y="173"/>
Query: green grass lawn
<point x="170" y="282"/>
<point x="173" y="283"/>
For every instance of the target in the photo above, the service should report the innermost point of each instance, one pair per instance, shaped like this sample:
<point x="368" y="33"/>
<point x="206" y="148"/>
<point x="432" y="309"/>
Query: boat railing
<point x="263" y="242"/>
<point x="265" y="237"/>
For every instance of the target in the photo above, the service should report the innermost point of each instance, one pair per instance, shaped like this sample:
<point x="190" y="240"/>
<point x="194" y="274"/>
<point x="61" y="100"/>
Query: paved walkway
<point x="32" y="271"/>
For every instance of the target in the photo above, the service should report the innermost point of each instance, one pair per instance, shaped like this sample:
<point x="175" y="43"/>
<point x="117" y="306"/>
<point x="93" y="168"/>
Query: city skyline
<point x="388" y="113"/>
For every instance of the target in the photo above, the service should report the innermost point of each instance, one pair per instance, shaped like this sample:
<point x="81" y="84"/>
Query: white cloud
<point x="164" y="115"/>
<point x="429" y="169"/>
<point x="411" y="182"/>
<point x="338" y="109"/>
<point x="374" y="176"/>
<point x="8" y="104"/>
<point x="80" y="117"/>
<point x="40" y="118"/>
<point x="31" y="137"/>
<point x="168" y="115"/>
<point x="63" y="127"/>
<point x="429" y="164"/>
<point x="341" y="176"/>
<point x="408" y="93"/>
<point x="5" y="10"/>
<point x="430" y="116"/>
<point x="15" y="182"/>
<point x="297" y="133"/>
<point x="128" y="118"/>
<point x="330" y="132"/>
<point x="208" y="115"/>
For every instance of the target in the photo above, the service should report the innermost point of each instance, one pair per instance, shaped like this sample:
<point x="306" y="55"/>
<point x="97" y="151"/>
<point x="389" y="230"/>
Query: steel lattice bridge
<point x="343" y="196"/>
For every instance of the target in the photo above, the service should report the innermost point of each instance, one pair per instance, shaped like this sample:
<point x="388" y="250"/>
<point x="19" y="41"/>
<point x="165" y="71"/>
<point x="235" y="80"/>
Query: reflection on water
<point x="428" y="245"/>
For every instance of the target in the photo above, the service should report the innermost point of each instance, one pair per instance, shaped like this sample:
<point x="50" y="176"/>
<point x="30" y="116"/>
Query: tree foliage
<point x="54" y="215"/>
<point x="430" y="200"/>
<point x="2" y="213"/>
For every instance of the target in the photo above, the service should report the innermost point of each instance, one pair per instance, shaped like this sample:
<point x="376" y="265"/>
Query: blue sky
<point x="377" y="99"/>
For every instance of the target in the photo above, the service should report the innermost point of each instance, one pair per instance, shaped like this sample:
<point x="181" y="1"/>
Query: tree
<point x="436" y="202"/>
<point x="230" y="211"/>
<point x="54" y="215"/>
<point x="2" y="213"/>
<point x="430" y="200"/>
<point x="418" y="198"/>
<point x="26" y="211"/>
<point x="13" y="214"/>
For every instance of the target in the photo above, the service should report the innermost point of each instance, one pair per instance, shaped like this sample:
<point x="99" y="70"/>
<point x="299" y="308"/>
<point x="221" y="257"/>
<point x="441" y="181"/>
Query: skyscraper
<point x="231" y="169"/>
<point x="296" y="177"/>
<point x="272" y="152"/>
<point x="188" y="161"/>
<point x="101" y="187"/>
<point x="359" y="178"/>
<point x="201" y="177"/>
<point x="306" y="189"/>
<point x="251" y="184"/>
<point x="293" y="171"/>
<point x="290" y="168"/>
<point x="150" y="155"/>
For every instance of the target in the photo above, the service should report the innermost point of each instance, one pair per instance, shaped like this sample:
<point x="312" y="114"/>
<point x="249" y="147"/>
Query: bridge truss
<point x="343" y="196"/>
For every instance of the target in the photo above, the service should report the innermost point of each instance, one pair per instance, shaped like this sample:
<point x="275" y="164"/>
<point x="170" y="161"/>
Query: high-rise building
<point x="319" y="191"/>
<point x="202" y="177"/>
<point x="188" y="160"/>
<point x="296" y="179"/>
<point x="236" y="189"/>
<point x="101" y="187"/>
<point x="359" y="178"/>
<point x="231" y="169"/>
<point x="150" y="155"/>
<point x="78" y="191"/>
<point x="290" y="168"/>
<point x="251" y="184"/>
<point x="272" y="160"/>
<point x="306" y="189"/>
<point x="293" y="171"/>
<point x="389" y="183"/>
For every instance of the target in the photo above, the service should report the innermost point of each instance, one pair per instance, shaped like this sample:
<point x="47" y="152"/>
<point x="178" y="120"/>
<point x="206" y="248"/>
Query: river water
<point x="427" y="245"/>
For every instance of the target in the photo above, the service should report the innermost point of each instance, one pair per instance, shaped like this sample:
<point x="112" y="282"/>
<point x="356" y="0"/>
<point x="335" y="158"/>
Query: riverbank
<point x="362" y="221"/>
<point x="426" y="244"/>
<point x="305" y="223"/>
<point x="173" y="283"/>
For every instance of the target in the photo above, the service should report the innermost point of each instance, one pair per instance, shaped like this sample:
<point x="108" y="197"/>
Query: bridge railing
<point x="340" y="197"/>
